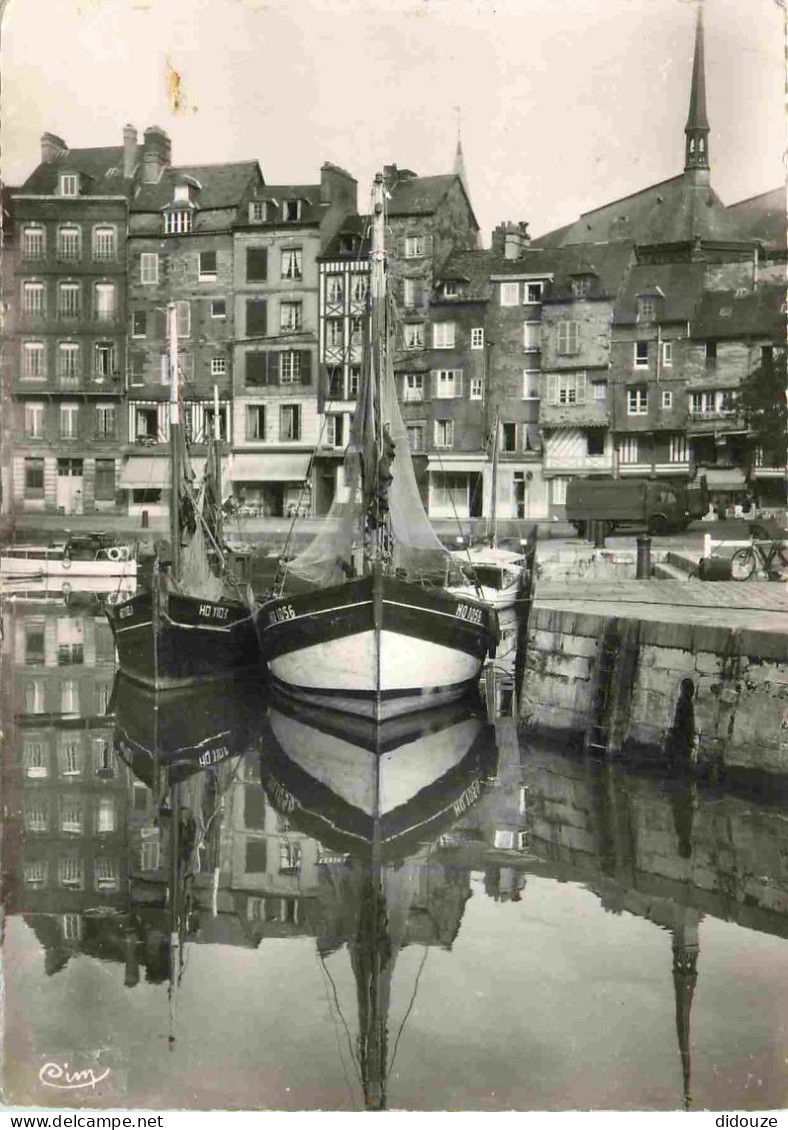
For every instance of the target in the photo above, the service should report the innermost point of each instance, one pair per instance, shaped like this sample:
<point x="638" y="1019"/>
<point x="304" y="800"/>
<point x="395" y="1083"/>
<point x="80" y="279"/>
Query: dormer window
<point x="581" y="286"/>
<point x="181" y="192"/>
<point x="647" y="309"/>
<point x="347" y="245"/>
<point x="178" y="222"/>
<point x="292" y="210"/>
<point x="450" y="289"/>
<point x="69" y="184"/>
<point x="258" y="211"/>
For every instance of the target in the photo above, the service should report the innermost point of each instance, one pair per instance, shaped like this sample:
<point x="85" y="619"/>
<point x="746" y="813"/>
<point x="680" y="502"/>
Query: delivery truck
<point x="658" y="507"/>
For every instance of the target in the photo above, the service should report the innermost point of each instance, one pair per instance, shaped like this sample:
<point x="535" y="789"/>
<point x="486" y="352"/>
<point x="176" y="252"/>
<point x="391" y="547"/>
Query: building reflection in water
<point x="141" y="826"/>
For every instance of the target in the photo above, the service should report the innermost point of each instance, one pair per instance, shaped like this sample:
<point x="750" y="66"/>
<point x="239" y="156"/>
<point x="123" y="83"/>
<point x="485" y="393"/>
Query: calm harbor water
<point x="222" y="901"/>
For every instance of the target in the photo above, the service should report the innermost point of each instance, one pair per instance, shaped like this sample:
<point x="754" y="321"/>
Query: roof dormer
<point x="584" y="283"/>
<point x="650" y="303"/>
<point x="69" y="183"/>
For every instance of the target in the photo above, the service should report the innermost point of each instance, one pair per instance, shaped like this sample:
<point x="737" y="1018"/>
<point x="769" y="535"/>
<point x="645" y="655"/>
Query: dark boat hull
<point x="377" y="646"/>
<point x="168" y="640"/>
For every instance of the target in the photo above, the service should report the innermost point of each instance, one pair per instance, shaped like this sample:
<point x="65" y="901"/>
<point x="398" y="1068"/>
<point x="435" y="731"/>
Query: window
<point x="566" y="388"/>
<point x="335" y="383"/>
<point x="335" y="289"/>
<point x="628" y="450"/>
<point x="105" y="473"/>
<point x="105" y="821"/>
<point x="150" y="852"/>
<point x="334" y="333"/>
<point x="139" y="323"/>
<point x="667" y="354"/>
<point x="33" y="298"/>
<point x="531" y="384"/>
<point x="104" y="359"/>
<point x="69" y="184"/>
<point x="677" y="451"/>
<point x="414" y="335"/>
<point x="34" y="756"/>
<point x="414" y="247"/>
<point x="595" y="442"/>
<point x="178" y="222"/>
<point x="641" y="354"/>
<point x="32" y="243"/>
<point x="68" y="240"/>
<point x="218" y="308"/>
<point x="335" y="430"/>
<point x="255" y="421"/>
<point x="711" y="354"/>
<point x="533" y="292"/>
<point x="71" y="873"/>
<point x="726" y="401"/>
<point x="68" y="361"/>
<point x="106" y="423"/>
<point x="667" y="399"/>
<point x="71" y="816"/>
<point x="568" y="337"/>
<point x="702" y="403"/>
<point x="290" y="317"/>
<point x="34" y="653"/>
<point x="354" y="380"/>
<point x="450" y="289"/>
<point x="289" y="367"/>
<point x="767" y="358"/>
<point x="104" y="243"/>
<point x="70" y="757"/>
<point x="413" y="388"/>
<point x="33" y="695"/>
<point x="146" y="423"/>
<point x="637" y="401"/>
<point x="207" y="269"/>
<point x="292" y="210"/>
<point x="444" y="433"/>
<point x="359" y="288"/>
<point x="149" y="267"/>
<point x="477" y="388"/>
<point x="290" y="422"/>
<point x="447" y="383"/>
<point x="449" y="491"/>
<point x="510" y="294"/>
<point x="218" y="366"/>
<point x="646" y="309"/>
<point x="258" y="211"/>
<point x="34" y="420"/>
<point x="257" y="264"/>
<point x="291" y="264"/>
<point x="356" y="332"/>
<point x="68" y="300"/>
<point x="416" y="436"/>
<point x="508" y="438"/>
<point x="443" y="335"/>
<point x="183" y="316"/>
<point x="69" y="421"/>
<point x="581" y="287"/>
<point x="34" y="478"/>
<point x="209" y="417"/>
<point x="599" y="390"/>
<point x="105" y="874"/>
<point x="477" y="338"/>
<point x="409" y="292"/>
<point x="531" y="336"/>
<point x="105" y="302"/>
<point x="33" y="360"/>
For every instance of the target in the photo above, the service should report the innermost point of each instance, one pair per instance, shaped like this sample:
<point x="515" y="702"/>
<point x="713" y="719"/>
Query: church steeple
<point x="696" y="152"/>
<point x="459" y="157"/>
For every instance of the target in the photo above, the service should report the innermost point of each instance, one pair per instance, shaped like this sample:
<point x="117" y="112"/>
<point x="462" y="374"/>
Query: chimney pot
<point x="51" y="147"/>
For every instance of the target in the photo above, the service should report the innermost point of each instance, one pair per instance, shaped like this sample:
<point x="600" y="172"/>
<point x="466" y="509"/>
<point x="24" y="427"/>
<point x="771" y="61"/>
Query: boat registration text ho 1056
<point x="467" y="612"/>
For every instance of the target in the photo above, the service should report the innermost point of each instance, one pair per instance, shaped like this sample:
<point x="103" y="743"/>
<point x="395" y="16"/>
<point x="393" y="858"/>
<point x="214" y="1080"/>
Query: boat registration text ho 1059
<point x="467" y="612"/>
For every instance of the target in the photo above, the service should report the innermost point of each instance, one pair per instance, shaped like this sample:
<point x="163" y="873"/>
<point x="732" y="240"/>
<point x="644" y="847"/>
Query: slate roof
<point x="680" y="283"/>
<point x="95" y="164"/>
<point x="476" y="268"/>
<point x="418" y="196"/>
<point x="608" y="261"/>
<point x="730" y="313"/>
<point x="762" y="217"/>
<point x="222" y="186"/>
<point x="674" y="211"/>
<point x="353" y="224"/>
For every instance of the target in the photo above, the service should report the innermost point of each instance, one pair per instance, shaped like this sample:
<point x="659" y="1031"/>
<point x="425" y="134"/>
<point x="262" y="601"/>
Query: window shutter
<point x="306" y="367"/>
<point x="434" y="383"/>
<point x="427" y="246"/>
<point x="574" y="334"/>
<point x="401" y="247"/>
<point x="458" y="382"/>
<point x="552" y="388"/>
<point x="256" y="317"/>
<point x="581" y="388"/>
<point x="562" y="337"/>
<point x="256" y="369"/>
<point x="272" y="368"/>
<point x="256" y="264"/>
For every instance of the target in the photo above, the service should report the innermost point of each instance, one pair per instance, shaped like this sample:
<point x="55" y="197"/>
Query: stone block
<point x="707" y="663"/>
<point x="674" y="659"/>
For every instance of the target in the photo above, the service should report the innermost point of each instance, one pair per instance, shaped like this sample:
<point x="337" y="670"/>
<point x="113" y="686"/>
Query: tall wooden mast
<point x="175" y="438"/>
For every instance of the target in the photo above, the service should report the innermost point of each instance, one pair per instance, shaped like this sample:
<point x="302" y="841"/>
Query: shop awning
<point x="724" y="478"/>
<point x="145" y="472"/>
<point x="269" y="468"/>
<point x="472" y="466"/>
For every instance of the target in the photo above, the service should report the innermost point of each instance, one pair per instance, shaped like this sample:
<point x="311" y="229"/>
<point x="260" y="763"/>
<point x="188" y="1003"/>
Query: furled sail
<point x="197" y="579"/>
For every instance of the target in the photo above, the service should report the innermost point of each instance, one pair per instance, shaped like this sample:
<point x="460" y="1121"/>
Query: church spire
<point x="696" y="153"/>
<point x="459" y="157"/>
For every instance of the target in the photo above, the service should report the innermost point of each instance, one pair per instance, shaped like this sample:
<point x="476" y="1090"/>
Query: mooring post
<point x="599" y="534"/>
<point x="643" y="569"/>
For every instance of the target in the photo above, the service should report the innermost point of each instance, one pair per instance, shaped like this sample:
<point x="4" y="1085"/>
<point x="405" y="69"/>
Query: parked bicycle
<point x="768" y="550"/>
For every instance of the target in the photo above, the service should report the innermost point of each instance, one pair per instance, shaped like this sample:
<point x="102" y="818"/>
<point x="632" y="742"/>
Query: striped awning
<point x="273" y="467"/>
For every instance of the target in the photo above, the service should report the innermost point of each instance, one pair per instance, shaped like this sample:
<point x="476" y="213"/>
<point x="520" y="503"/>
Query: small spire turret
<point x="696" y="152"/>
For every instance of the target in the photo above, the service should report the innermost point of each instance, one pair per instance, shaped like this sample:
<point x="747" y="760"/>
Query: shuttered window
<point x="446" y="383"/>
<point x="256" y="317"/>
<point x="256" y="264"/>
<point x="568" y="337"/>
<point x="566" y="388"/>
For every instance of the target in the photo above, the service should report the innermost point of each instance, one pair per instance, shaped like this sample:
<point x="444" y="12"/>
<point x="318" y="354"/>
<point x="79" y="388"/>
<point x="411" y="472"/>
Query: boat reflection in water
<point x="380" y="797"/>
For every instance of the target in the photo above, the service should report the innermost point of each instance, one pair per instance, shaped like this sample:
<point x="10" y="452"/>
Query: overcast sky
<point x="564" y="106"/>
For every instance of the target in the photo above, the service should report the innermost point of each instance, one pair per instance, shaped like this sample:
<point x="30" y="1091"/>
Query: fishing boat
<point x="195" y="622"/>
<point x="82" y="558"/>
<point x="362" y="619"/>
<point x="352" y="783"/>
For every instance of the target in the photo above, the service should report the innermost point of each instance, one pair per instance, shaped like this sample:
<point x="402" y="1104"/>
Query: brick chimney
<point x="129" y="151"/>
<point x="156" y="154"/>
<point x="51" y="147"/>
<point x="338" y="187"/>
